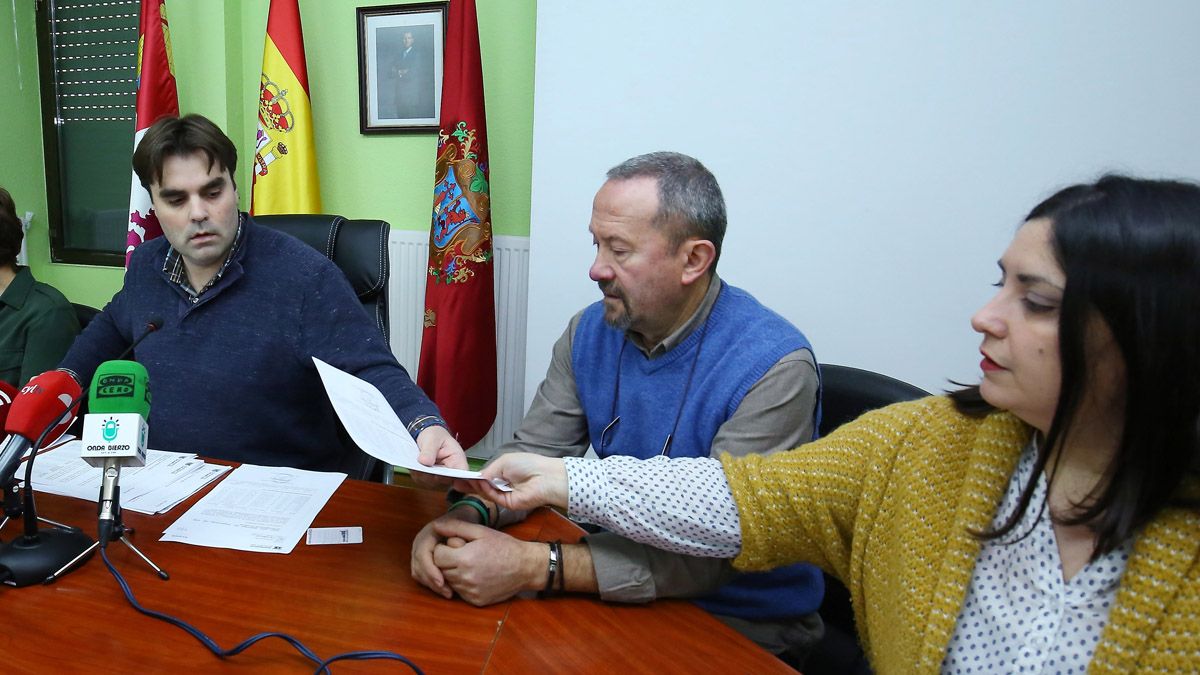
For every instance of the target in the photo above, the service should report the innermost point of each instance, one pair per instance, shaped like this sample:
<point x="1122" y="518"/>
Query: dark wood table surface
<point x="336" y="599"/>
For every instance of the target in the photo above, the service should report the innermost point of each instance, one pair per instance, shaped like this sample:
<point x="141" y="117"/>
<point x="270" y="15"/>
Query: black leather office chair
<point x="84" y="314"/>
<point x="360" y="249"/>
<point x="847" y="393"/>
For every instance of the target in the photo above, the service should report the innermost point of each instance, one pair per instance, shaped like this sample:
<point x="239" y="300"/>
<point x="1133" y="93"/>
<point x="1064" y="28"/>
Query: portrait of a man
<point x="405" y="58"/>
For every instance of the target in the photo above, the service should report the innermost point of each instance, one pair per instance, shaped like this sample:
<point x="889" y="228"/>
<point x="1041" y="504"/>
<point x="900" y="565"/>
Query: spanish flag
<point x="156" y="98"/>
<point x="285" y="156"/>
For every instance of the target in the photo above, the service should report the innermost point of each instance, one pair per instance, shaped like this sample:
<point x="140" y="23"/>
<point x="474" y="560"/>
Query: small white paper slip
<point x="333" y="535"/>
<point x="373" y="425"/>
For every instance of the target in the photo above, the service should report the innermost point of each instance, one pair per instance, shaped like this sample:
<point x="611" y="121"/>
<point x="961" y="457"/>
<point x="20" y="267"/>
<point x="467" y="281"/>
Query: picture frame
<point x="400" y="59"/>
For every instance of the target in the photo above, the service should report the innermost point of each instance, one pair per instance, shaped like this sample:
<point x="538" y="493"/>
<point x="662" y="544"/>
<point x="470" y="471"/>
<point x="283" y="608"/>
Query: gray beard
<point x="622" y="322"/>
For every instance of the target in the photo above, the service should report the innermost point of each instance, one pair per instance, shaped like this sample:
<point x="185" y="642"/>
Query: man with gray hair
<point x="671" y="361"/>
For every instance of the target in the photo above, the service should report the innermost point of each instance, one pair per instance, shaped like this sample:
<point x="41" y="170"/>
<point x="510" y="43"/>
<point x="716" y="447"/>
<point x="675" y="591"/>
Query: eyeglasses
<point x="611" y="430"/>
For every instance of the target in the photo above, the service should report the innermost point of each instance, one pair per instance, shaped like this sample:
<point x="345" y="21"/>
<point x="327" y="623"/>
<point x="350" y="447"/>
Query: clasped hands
<point x="457" y="554"/>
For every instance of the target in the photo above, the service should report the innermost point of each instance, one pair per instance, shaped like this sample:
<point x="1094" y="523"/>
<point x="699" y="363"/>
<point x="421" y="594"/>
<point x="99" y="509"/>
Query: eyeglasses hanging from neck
<point x="610" y="430"/>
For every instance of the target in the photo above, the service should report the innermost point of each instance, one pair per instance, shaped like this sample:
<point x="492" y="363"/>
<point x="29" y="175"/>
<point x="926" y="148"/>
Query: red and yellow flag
<point x="285" y="156"/>
<point x="458" y="346"/>
<point x="156" y="97"/>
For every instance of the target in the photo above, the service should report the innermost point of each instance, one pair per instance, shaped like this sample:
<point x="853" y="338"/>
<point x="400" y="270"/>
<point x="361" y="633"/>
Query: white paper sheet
<point x="372" y="423"/>
<point x="183" y="479"/>
<point x="167" y="478"/>
<point x="256" y="508"/>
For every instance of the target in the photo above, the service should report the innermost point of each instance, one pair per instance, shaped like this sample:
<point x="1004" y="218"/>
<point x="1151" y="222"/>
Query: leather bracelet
<point x="477" y="504"/>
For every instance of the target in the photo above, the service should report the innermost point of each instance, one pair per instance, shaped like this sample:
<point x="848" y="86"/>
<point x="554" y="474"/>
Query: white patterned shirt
<point x="1019" y="615"/>
<point x="682" y="505"/>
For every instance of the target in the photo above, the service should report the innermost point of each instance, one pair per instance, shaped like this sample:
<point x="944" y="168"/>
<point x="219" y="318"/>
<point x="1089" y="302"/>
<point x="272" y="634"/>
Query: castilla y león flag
<point x="458" y="345"/>
<point x="285" y="156"/>
<point x="156" y="98"/>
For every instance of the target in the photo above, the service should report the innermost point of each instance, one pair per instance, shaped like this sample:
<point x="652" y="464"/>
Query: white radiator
<point x="409" y="251"/>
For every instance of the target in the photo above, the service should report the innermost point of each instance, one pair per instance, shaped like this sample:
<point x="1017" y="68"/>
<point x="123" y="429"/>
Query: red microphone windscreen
<point x="42" y="402"/>
<point x="7" y="394"/>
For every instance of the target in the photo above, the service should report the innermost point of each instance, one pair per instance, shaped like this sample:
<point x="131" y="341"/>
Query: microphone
<point x="152" y="325"/>
<point x="48" y="400"/>
<point x="115" y="432"/>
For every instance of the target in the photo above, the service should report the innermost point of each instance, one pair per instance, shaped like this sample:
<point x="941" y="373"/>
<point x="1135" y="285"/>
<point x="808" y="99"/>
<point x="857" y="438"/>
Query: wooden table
<point x="337" y="599"/>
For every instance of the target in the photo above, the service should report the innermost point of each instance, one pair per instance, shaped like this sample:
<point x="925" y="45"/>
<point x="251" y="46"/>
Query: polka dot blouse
<point x="1019" y="615"/>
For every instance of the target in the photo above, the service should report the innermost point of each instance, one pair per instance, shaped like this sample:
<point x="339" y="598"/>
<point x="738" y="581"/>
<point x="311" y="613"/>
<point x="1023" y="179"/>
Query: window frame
<point x="52" y="146"/>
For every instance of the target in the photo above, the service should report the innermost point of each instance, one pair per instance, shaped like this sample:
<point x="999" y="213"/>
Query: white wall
<point x="875" y="159"/>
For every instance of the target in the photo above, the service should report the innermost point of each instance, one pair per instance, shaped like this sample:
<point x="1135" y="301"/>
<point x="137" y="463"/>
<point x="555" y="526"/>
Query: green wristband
<point x="475" y="504"/>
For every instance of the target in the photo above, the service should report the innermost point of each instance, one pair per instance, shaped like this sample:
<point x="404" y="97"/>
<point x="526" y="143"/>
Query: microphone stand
<point x="47" y="555"/>
<point x="13" y="508"/>
<point x="116" y="532"/>
<point x="29" y="558"/>
<point x="12" y="501"/>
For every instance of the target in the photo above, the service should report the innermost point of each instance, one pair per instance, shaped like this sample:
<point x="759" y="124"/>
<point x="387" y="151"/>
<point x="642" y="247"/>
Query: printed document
<point x="372" y="423"/>
<point x="256" y="508"/>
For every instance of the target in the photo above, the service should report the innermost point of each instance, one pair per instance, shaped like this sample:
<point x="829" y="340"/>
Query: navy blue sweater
<point x="231" y="374"/>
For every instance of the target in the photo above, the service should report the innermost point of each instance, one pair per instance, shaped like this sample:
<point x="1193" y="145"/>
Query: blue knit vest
<point x="742" y="340"/>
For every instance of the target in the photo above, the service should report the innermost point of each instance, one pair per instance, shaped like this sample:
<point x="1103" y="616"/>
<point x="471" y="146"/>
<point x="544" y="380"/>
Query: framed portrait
<point x="400" y="58"/>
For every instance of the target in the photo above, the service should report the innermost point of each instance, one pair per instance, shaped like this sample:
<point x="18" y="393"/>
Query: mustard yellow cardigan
<point x="886" y="503"/>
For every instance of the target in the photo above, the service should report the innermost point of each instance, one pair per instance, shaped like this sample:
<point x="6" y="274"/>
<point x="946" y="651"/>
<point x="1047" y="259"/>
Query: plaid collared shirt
<point x="174" y="268"/>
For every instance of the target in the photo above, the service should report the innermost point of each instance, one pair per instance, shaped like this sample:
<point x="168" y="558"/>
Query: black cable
<point x="29" y="507"/>
<point x="366" y="656"/>
<point x="37" y="445"/>
<point x="322" y="665"/>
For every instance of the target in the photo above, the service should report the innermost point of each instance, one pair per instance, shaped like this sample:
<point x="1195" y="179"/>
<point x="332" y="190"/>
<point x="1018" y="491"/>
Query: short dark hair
<point x="690" y="202"/>
<point x="11" y="231"/>
<point x="178" y="136"/>
<point x="1130" y="251"/>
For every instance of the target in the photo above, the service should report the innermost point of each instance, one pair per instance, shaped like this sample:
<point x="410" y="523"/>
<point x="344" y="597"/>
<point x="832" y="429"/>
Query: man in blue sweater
<point x="671" y="361"/>
<point x="244" y="310"/>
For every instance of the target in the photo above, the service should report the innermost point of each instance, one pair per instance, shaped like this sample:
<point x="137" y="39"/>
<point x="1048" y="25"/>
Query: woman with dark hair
<point x="37" y="324"/>
<point x="1044" y="521"/>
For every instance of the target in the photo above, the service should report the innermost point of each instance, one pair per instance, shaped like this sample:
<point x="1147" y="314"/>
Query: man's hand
<point x="535" y="481"/>
<point x="437" y="446"/>
<point x="424" y="570"/>
<point x="490" y="566"/>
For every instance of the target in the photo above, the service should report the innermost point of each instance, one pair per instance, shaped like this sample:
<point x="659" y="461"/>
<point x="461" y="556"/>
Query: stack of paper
<point x="167" y="479"/>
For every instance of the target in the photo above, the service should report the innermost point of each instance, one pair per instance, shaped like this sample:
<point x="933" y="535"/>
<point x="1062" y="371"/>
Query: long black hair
<point x="1130" y="251"/>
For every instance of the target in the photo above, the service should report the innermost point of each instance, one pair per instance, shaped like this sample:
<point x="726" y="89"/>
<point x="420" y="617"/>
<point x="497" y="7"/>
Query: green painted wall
<point x="218" y="56"/>
<point x="22" y="167"/>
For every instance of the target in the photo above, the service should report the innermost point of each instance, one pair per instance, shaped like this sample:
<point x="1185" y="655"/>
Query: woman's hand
<point x="535" y="481"/>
